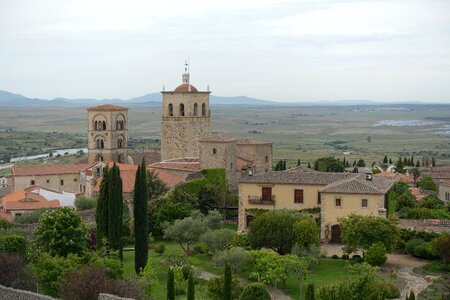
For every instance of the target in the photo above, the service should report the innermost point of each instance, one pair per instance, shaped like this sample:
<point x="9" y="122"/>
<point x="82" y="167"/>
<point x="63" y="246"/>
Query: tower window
<point x="203" y="109"/>
<point x="182" y="109"/>
<point x="62" y="182"/>
<point x="214" y="151"/>
<point x="120" y="143"/>
<point x="195" y="109"/>
<point x="266" y="158"/>
<point x="171" y="109"/>
<point x="104" y="125"/>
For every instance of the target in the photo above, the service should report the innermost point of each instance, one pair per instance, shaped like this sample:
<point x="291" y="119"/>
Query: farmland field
<point x="305" y="133"/>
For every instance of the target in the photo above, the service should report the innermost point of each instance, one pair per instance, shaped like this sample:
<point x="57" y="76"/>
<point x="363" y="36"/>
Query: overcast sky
<point x="277" y="50"/>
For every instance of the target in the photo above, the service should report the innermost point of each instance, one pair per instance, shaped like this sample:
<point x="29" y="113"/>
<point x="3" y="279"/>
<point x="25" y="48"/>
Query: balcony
<point x="260" y="200"/>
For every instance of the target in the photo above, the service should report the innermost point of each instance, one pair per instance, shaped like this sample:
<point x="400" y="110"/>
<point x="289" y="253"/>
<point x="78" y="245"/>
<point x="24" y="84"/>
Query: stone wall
<point x="426" y="225"/>
<point x="111" y="297"/>
<point x="13" y="294"/>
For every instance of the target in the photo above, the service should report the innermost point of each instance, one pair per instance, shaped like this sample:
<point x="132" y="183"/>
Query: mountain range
<point x="155" y="99"/>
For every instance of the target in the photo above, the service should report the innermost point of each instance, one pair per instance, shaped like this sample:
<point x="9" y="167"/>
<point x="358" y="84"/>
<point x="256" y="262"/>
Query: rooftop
<point x="396" y="177"/>
<point x="108" y="107"/>
<point x="359" y="185"/>
<point x="185" y="88"/>
<point x="27" y="199"/>
<point x="218" y="138"/>
<point x="188" y="164"/>
<point x="252" y="141"/>
<point x="49" y="169"/>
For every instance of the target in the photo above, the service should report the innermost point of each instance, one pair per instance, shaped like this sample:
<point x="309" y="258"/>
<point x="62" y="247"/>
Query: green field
<point x="297" y="132"/>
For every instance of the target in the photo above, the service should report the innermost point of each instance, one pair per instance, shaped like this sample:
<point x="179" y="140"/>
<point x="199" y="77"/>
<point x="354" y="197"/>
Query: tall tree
<point x="115" y="209"/>
<point x="385" y="159"/>
<point x="433" y="162"/>
<point x="418" y="164"/>
<point x="140" y="209"/>
<point x="101" y="216"/>
<point x="191" y="288"/>
<point x="390" y="161"/>
<point x="298" y="162"/>
<point x="170" y="285"/>
<point x="227" y="283"/>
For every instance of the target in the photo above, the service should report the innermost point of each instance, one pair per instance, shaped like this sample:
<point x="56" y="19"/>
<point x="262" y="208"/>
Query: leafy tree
<point x="362" y="287"/>
<point x="169" y="212"/>
<point x="170" y="285"/>
<point x="310" y="292"/>
<point x="235" y="257"/>
<point x="361" y="163"/>
<point x="150" y="278"/>
<point x="62" y="232"/>
<point x="115" y="209"/>
<point x="101" y="214"/>
<point x="160" y="248"/>
<point x="13" y="244"/>
<point x="400" y="187"/>
<point x="407" y="200"/>
<point x="191" y="288"/>
<point x="255" y="291"/>
<point x="5" y="224"/>
<point x="85" y="203"/>
<point x="274" y="230"/>
<point x="208" y="197"/>
<point x="216" y="287"/>
<point x="329" y="164"/>
<point x="427" y="183"/>
<point x="306" y="233"/>
<point x="156" y="187"/>
<point x="400" y="166"/>
<point x="140" y="207"/>
<point x="227" y="283"/>
<point x="49" y="271"/>
<point x="188" y="230"/>
<point x="218" y="239"/>
<point x="360" y="232"/>
<point x="431" y="201"/>
<point x="376" y="254"/>
<point x="442" y="246"/>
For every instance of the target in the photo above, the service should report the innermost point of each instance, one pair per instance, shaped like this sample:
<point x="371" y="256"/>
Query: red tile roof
<point x="168" y="177"/>
<point x="49" y="170"/>
<point x="27" y="200"/>
<point x="242" y="162"/>
<point x="396" y="177"/>
<point x="128" y="175"/>
<point x="180" y="164"/>
<point x="107" y="107"/>
<point x="416" y="193"/>
<point x="183" y="88"/>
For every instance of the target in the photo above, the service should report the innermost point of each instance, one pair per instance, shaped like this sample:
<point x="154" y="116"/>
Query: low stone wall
<point x="13" y="294"/>
<point x="426" y="225"/>
<point x="111" y="297"/>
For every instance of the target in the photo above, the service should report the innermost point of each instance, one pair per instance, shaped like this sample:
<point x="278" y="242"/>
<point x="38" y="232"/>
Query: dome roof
<point x="184" y="88"/>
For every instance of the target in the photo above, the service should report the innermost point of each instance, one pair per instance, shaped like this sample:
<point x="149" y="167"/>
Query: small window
<point x="195" y="109"/>
<point x="338" y="202"/>
<point x="298" y="196"/>
<point x="75" y="180"/>
<point x="214" y="151"/>
<point x="319" y="199"/>
<point x="171" y="109"/>
<point x="364" y="203"/>
<point x="62" y="182"/>
<point x="203" y="109"/>
<point x="32" y="182"/>
<point x="182" y="109"/>
<point x="266" y="158"/>
<point x="48" y="180"/>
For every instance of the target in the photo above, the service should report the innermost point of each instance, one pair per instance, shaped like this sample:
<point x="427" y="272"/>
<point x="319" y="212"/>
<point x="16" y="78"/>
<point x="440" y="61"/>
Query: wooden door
<point x="335" y="234"/>
<point x="266" y="194"/>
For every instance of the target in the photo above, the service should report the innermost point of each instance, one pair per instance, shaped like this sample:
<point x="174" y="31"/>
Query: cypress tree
<point x="433" y="162"/>
<point x="310" y="292"/>
<point x="115" y="210"/>
<point x="385" y="159"/>
<point x="170" y="285"/>
<point x="191" y="288"/>
<point x="140" y="209"/>
<point x="412" y="160"/>
<point x="101" y="214"/>
<point x="298" y="162"/>
<point x="390" y="161"/>
<point x="412" y="296"/>
<point x="309" y="166"/>
<point x="227" y="281"/>
<point x="417" y="164"/>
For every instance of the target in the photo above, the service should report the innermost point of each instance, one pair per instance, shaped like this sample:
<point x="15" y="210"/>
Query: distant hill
<point x="154" y="99"/>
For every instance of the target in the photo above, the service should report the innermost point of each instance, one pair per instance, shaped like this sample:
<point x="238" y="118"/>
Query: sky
<point x="304" y="50"/>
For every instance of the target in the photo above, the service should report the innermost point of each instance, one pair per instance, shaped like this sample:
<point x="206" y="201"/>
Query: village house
<point x="325" y="196"/>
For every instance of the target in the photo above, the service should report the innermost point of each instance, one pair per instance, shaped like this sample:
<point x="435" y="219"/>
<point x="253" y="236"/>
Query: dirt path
<point x="414" y="282"/>
<point x="275" y="294"/>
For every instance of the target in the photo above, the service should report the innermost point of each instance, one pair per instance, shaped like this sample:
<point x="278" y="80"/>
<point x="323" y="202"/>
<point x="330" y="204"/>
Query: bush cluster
<point x="420" y="249"/>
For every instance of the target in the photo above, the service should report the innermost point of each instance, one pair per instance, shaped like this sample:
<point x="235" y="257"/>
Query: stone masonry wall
<point x="13" y="294"/>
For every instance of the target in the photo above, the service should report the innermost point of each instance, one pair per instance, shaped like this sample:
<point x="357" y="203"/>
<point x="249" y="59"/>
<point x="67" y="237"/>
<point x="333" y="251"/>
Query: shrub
<point x="109" y="262"/>
<point x="334" y="256"/>
<point x="437" y="267"/>
<point x="217" y="239"/>
<point x="5" y="224"/>
<point x="421" y="249"/>
<point x="376" y="254"/>
<point x="441" y="246"/>
<point x="412" y="244"/>
<point x="345" y="256"/>
<point x="357" y="258"/>
<point x="160" y="248"/>
<point x="240" y="240"/>
<point x="391" y="291"/>
<point x="90" y="281"/>
<point x="310" y="292"/>
<point x="216" y="287"/>
<point x="13" y="244"/>
<point x="199" y="249"/>
<point x="237" y="258"/>
<point x="14" y="274"/>
<point x="85" y="203"/>
<point x="255" y="291"/>
<point x="30" y="218"/>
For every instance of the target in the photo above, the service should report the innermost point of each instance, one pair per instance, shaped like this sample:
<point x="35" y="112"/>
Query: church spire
<point x="185" y="76"/>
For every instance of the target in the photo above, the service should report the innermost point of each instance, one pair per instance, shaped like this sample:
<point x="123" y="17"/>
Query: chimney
<point x="369" y="176"/>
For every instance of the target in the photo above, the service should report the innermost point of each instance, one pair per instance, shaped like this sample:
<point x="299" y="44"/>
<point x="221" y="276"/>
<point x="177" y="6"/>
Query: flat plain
<point x="297" y="132"/>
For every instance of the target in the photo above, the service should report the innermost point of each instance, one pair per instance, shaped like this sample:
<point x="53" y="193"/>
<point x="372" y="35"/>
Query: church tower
<point x="108" y="133"/>
<point x="185" y="120"/>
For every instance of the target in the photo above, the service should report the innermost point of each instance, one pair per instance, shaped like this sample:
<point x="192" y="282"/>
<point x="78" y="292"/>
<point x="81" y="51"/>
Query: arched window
<point x="195" y="109"/>
<point x="122" y="125"/>
<point x="119" y="143"/>
<point x="182" y="109"/>
<point x="100" y="158"/>
<point x="102" y="144"/>
<point x="203" y="109"/>
<point x="98" y="144"/>
<point x="214" y="151"/>
<point x="117" y="125"/>
<point x="104" y="125"/>
<point x="171" y="109"/>
<point x="96" y="125"/>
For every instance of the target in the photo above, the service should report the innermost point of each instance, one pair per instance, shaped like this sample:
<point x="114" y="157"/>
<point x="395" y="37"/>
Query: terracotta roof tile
<point x="185" y="88"/>
<point x="128" y="175"/>
<point x="182" y="164"/>
<point x="168" y="177"/>
<point x="49" y="170"/>
<point x="359" y="185"/>
<point x="396" y="176"/>
<point x="27" y="200"/>
<point x="295" y="176"/>
<point x="107" y="107"/>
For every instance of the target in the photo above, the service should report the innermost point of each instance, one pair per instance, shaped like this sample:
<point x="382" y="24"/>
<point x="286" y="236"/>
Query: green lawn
<point x="328" y="271"/>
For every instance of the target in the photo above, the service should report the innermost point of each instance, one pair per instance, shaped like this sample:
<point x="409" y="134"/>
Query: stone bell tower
<point x="108" y="133"/>
<point x="185" y="120"/>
